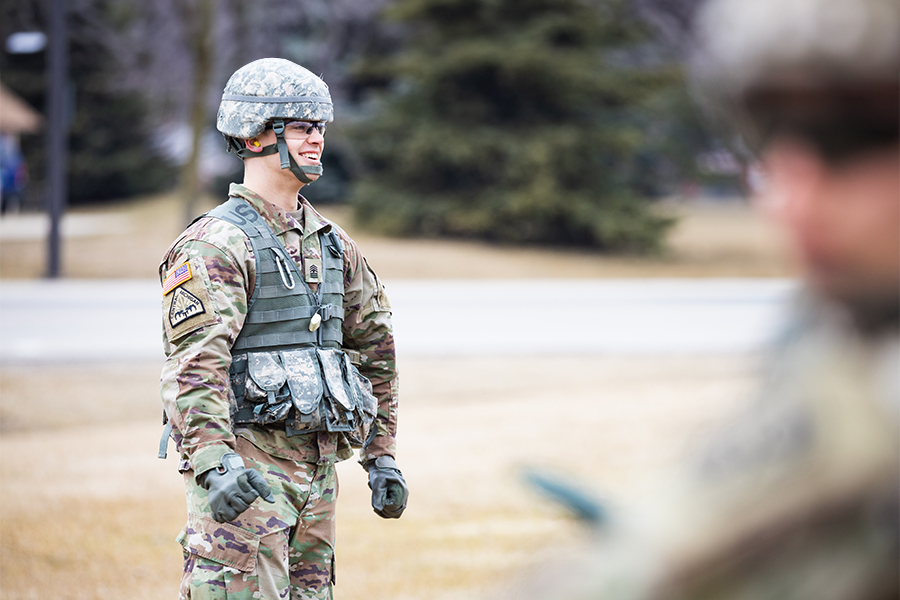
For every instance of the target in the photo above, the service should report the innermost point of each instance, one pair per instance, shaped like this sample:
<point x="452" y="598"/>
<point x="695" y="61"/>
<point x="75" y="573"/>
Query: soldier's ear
<point x="253" y="144"/>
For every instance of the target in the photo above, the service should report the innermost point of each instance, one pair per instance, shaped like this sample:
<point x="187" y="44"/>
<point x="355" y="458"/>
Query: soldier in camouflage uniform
<point x="797" y="498"/>
<point x="280" y="357"/>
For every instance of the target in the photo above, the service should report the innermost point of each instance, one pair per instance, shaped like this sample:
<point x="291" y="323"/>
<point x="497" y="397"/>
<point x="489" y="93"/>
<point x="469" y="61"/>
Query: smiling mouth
<point x="311" y="156"/>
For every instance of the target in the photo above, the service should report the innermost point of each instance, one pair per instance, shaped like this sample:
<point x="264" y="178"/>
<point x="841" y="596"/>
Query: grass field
<point x="711" y="239"/>
<point x="87" y="511"/>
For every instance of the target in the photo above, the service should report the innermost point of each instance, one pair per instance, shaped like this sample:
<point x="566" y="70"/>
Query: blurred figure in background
<point x="16" y="119"/>
<point x="798" y="496"/>
<point x="13" y="174"/>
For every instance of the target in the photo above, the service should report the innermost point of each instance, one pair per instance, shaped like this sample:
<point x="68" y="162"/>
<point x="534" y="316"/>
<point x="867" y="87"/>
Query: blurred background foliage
<point x="515" y="120"/>
<point x="526" y="121"/>
<point x="110" y="155"/>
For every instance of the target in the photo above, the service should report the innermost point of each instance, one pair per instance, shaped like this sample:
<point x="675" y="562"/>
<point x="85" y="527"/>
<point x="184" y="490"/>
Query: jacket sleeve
<point x="367" y="329"/>
<point x="202" y="317"/>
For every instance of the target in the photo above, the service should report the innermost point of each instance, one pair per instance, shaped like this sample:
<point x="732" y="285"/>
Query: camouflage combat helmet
<point x="826" y="70"/>
<point x="269" y="92"/>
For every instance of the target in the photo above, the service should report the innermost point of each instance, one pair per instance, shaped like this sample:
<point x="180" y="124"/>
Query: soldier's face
<point x="305" y="148"/>
<point x="306" y="142"/>
<point x="843" y="220"/>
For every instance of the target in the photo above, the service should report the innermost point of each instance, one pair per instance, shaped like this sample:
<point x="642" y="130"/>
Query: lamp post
<point x="56" y="117"/>
<point x="57" y="129"/>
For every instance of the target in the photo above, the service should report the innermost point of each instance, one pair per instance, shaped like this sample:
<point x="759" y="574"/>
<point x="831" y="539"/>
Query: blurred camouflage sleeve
<point x="794" y="496"/>
<point x="367" y="329"/>
<point x="194" y="384"/>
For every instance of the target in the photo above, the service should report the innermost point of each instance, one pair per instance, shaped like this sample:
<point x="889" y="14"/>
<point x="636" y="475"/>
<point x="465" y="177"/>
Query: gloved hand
<point x="233" y="488"/>
<point x="389" y="491"/>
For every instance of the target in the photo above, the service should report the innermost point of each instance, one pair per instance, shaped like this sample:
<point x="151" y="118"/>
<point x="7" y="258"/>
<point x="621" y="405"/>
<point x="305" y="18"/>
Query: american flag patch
<point x="176" y="278"/>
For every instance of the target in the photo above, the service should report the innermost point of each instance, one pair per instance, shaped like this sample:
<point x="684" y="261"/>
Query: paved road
<point x="110" y="320"/>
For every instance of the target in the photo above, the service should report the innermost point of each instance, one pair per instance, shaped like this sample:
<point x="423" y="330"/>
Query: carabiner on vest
<point x="284" y="270"/>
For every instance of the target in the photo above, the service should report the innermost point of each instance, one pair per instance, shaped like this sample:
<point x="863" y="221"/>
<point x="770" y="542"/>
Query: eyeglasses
<point x="303" y="128"/>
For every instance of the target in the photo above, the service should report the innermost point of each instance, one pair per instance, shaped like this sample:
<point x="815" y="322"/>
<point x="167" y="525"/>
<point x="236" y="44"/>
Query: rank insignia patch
<point x="176" y="278"/>
<point x="184" y="306"/>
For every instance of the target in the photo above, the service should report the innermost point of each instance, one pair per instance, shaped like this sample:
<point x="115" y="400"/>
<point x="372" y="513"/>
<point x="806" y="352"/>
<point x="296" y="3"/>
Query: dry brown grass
<point x="724" y="239"/>
<point x="89" y="512"/>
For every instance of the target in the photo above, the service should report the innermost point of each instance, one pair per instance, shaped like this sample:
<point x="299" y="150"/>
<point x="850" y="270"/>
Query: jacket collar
<point x="313" y="222"/>
<point x="278" y="219"/>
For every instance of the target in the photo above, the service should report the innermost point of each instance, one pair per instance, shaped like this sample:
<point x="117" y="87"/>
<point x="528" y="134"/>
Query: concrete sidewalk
<point x="119" y="320"/>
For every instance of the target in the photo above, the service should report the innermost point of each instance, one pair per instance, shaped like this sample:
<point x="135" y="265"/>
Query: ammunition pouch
<point x="305" y="390"/>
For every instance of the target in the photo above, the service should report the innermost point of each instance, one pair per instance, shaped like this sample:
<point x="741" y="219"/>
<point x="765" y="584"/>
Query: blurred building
<point x="16" y="118"/>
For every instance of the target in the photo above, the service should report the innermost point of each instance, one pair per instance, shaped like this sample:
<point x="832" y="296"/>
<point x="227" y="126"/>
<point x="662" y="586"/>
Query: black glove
<point x="389" y="491"/>
<point x="233" y="488"/>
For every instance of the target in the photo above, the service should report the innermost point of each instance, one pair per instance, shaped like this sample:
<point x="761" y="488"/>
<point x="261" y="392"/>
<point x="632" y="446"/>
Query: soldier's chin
<point x="874" y="306"/>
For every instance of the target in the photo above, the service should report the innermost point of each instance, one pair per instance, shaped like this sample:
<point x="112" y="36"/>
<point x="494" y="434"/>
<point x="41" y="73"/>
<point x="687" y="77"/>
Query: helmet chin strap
<point x="287" y="161"/>
<point x="280" y="146"/>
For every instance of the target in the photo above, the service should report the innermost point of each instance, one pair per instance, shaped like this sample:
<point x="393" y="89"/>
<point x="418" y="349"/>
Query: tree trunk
<point x="201" y="44"/>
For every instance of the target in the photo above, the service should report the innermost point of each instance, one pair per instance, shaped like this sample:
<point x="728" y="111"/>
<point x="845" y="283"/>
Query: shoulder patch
<point x="176" y="278"/>
<point x="189" y="306"/>
<point x="184" y="306"/>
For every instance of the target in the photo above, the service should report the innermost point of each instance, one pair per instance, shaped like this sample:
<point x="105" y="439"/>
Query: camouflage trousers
<point x="271" y="551"/>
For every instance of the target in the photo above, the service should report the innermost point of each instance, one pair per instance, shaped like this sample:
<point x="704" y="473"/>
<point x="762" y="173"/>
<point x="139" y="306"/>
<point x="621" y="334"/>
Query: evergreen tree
<point x="110" y="150"/>
<point x="512" y="120"/>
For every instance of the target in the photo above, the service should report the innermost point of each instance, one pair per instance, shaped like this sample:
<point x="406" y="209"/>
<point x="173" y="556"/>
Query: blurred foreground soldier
<point x="280" y="357"/>
<point x="798" y="497"/>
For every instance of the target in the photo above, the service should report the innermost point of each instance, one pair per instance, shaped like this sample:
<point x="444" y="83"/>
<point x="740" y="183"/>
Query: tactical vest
<point x="288" y="368"/>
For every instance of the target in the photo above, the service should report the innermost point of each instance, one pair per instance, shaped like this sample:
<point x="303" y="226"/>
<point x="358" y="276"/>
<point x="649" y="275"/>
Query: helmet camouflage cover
<point x="770" y="64"/>
<point x="271" y="88"/>
<point x="807" y="43"/>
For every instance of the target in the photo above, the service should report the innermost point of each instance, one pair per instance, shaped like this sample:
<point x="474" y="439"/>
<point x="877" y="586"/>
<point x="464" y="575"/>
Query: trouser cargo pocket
<point x="219" y="560"/>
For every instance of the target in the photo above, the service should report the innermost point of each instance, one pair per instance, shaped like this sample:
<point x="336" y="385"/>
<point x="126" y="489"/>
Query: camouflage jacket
<point x="794" y="497"/>
<point x="202" y="321"/>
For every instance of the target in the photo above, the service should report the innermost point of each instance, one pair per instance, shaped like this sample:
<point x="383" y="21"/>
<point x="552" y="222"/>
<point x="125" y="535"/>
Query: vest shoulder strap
<point x="281" y="304"/>
<point x="239" y="213"/>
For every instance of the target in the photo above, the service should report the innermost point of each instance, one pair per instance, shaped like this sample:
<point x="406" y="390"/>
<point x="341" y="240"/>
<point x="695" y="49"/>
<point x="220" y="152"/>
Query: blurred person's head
<point x="812" y="87"/>
<point x="274" y="111"/>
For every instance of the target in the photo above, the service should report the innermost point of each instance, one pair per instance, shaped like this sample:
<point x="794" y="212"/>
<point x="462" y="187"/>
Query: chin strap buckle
<point x="283" y="155"/>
